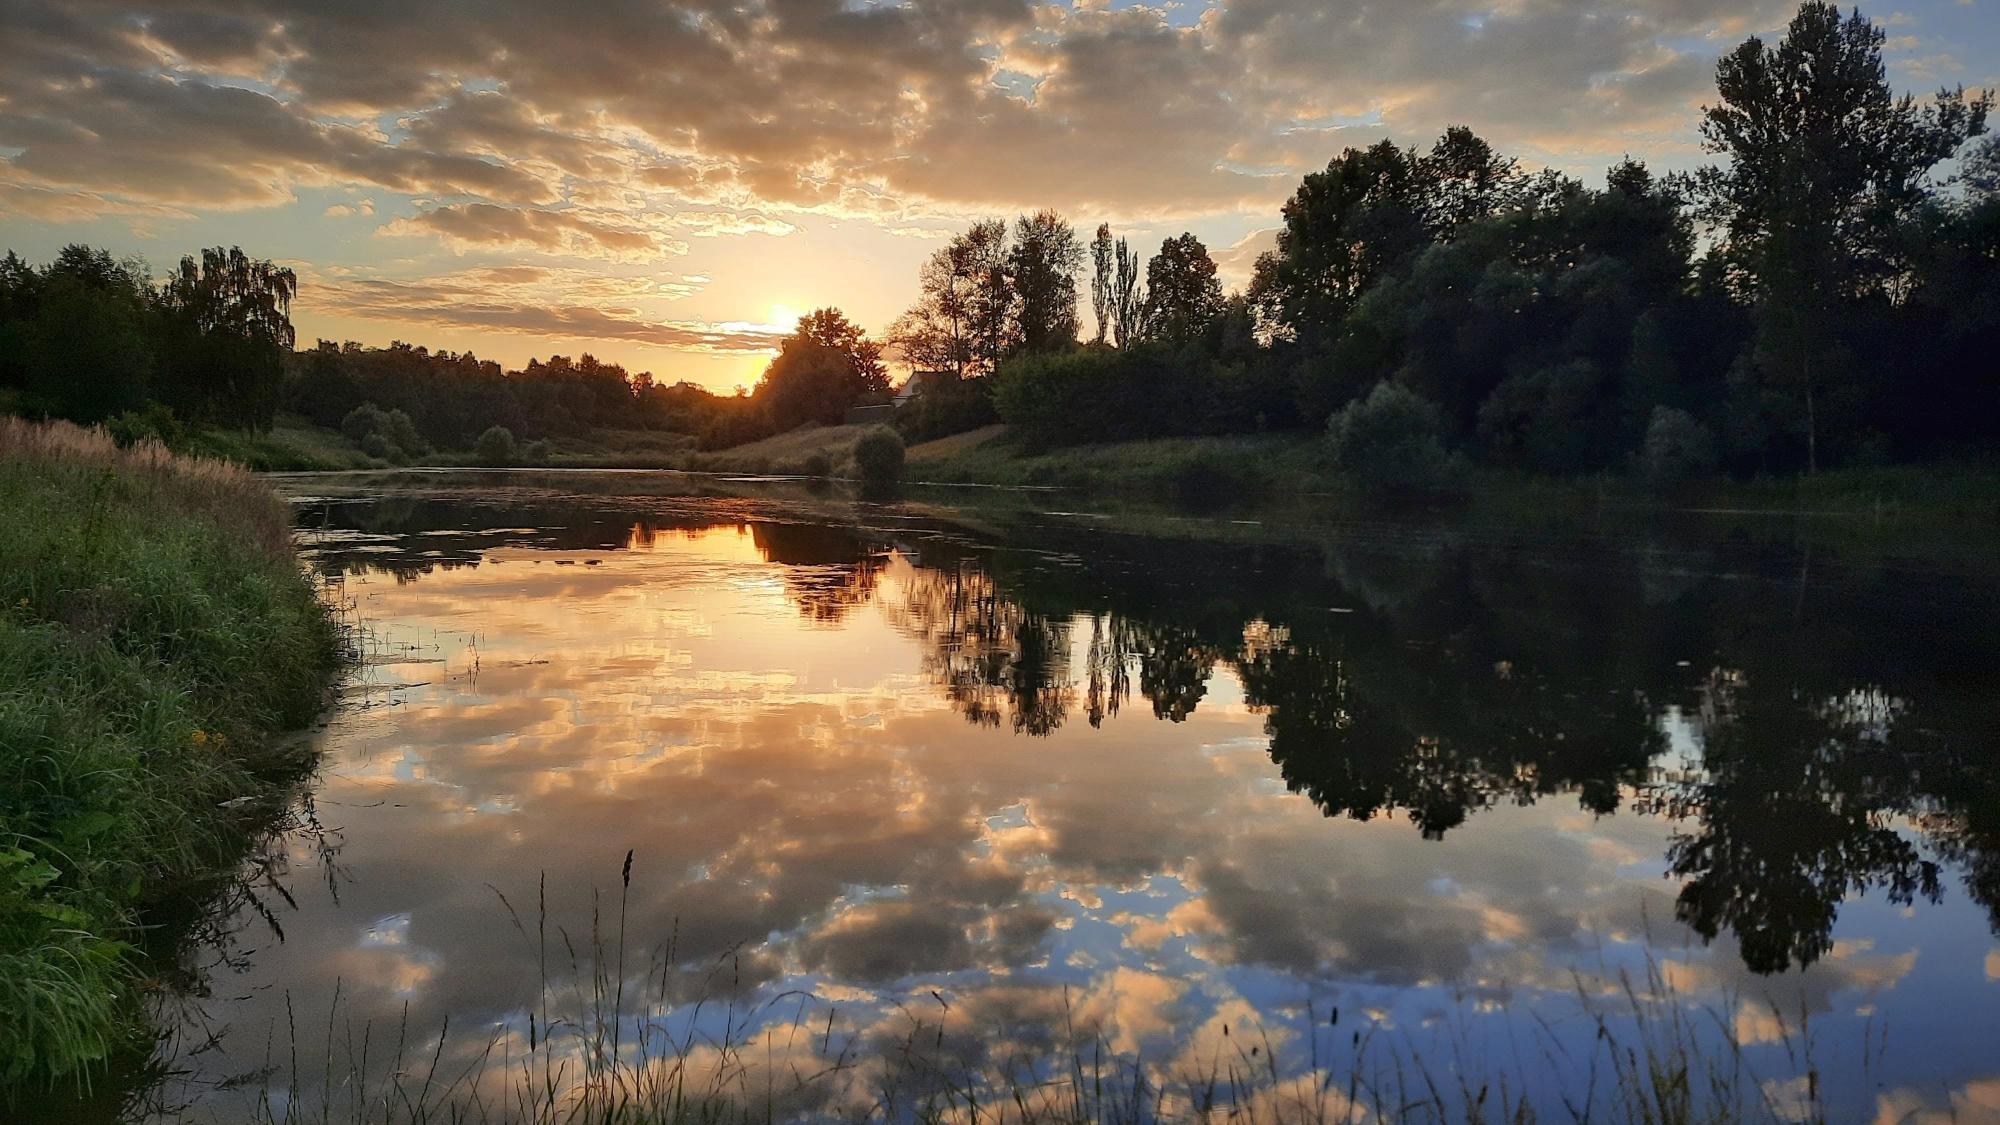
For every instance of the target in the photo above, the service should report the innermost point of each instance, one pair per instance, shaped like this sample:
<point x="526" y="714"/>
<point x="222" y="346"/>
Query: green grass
<point x="156" y="633"/>
<point x="293" y="445"/>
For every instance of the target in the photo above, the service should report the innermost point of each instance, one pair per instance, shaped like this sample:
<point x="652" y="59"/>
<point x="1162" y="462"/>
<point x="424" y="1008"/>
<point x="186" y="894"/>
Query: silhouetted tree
<point x="1824" y="163"/>
<point x="1183" y="297"/>
<point x="822" y="368"/>
<point x="227" y="331"/>
<point x="1043" y="262"/>
<point x="1102" y="279"/>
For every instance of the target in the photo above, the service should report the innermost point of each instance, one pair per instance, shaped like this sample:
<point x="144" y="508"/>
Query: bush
<point x="1545" y="420"/>
<point x="156" y="422"/>
<point x="361" y="421"/>
<point x="1101" y="394"/>
<point x="945" y="406"/>
<point x="495" y="446"/>
<point x="816" y="465"/>
<point x="1678" y="449"/>
<point x="387" y="434"/>
<point x="878" y="456"/>
<point x="378" y="446"/>
<point x="1388" y="441"/>
<point x="536" y="452"/>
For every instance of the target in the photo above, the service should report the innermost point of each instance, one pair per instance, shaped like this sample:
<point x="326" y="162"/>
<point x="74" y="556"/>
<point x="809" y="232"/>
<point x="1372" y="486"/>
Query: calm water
<point x="1014" y="771"/>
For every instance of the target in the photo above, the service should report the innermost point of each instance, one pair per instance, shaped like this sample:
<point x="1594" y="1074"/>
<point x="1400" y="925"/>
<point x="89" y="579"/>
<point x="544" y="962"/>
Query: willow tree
<point x="226" y="330"/>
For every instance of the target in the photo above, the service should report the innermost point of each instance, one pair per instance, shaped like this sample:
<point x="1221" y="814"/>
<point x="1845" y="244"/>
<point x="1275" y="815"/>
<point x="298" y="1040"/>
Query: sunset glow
<point x="668" y="184"/>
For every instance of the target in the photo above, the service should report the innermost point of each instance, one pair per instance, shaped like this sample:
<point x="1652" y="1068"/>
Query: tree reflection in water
<point x="1834" y="751"/>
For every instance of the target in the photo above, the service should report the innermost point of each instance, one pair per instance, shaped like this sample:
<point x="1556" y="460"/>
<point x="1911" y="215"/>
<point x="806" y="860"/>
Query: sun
<point x="785" y="317"/>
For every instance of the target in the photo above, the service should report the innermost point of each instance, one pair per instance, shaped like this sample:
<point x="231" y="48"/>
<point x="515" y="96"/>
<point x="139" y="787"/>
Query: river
<point x="834" y="808"/>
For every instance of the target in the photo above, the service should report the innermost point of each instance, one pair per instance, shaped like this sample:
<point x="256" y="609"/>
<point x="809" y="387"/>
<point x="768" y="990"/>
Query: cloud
<point x="485" y="226"/>
<point x="532" y="300"/>
<point x="946" y="106"/>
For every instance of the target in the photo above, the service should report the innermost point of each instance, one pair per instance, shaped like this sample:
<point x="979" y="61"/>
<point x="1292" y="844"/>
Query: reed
<point x="680" y="1043"/>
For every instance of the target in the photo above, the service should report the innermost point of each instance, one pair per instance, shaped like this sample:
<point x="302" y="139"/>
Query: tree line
<point x="88" y="337"/>
<point x="1827" y="292"/>
<point x="1822" y="294"/>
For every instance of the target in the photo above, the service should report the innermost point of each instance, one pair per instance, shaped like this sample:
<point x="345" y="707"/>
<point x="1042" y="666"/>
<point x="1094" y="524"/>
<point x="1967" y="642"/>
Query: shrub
<point x="495" y="446"/>
<point x="946" y="406"/>
<point x="816" y="465"/>
<point x="1102" y="394"/>
<point x="878" y="456"/>
<point x="361" y="421"/>
<point x="156" y="422"/>
<point x="536" y="452"/>
<point x="1677" y="449"/>
<point x="381" y="448"/>
<point x="395" y="436"/>
<point x="1388" y="441"/>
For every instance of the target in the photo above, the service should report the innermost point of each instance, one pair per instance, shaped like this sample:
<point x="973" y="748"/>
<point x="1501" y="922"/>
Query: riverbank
<point x="1198" y="471"/>
<point x="156" y="637"/>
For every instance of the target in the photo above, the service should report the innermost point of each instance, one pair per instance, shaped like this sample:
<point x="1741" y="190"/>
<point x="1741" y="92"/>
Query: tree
<point x="1824" y="163"/>
<point x="1343" y="228"/>
<point x="1102" y="279"/>
<point x="821" y="369"/>
<point x="1128" y="299"/>
<point x="962" y="321"/>
<point x="1044" y="261"/>
<point x="830" y="328"/>
<point x="74" y="338"/>
<point x="227" y="329"/>
<point x="1183" y="297"/>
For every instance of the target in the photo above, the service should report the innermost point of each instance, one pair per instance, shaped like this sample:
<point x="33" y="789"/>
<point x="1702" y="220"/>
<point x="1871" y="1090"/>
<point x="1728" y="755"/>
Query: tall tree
<point x="962" y="321"/>
<point x="821" y="369"/>
<point x="1044" y="260"/>
<point x="1128" y="299"/>
<point x="228" y="328"/>
<point x="1101" y="278"/>
<point x="73" y="340"/>
<point x="830" y="328"/>
<point x="1182" y="294"/>
<point x="1824" y="163"/>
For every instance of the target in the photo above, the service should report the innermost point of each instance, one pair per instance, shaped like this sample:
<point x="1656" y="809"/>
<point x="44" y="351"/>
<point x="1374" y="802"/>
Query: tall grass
<point x="156" y="633"/>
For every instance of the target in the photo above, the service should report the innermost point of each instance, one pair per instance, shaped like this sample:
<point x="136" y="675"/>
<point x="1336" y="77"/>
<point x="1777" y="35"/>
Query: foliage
<point x="1182" y="295"/>
<point x="823" y="368"/>
<point x="225" y="328"/>
<point x="1678" y="449"/>
<point x="878" y="456"/>
<point x="389" y="435"/>
<point x="154" y="423"/>
<point x="495" y="446"/>
<point x="1389" y="442"/>
<point x="946" y="405"/>
<point x="1043" y="263"/>
<point x="155" y="631"/>
<point x="1825" y="166"/>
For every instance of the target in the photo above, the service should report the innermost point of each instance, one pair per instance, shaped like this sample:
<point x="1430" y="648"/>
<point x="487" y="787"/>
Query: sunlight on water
<point x="1361" y="801"/>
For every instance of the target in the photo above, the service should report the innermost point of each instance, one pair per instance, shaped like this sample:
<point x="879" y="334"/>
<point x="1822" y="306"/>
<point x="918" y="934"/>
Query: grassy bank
<point x="156" y="633"/>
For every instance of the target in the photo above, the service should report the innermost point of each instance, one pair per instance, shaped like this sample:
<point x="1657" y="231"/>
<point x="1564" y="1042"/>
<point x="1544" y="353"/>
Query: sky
<point x="669" y="183"/>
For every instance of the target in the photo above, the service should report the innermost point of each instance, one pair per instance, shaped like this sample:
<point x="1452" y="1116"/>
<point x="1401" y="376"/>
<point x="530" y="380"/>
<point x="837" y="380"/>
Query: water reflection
<point x="870" y="754"/>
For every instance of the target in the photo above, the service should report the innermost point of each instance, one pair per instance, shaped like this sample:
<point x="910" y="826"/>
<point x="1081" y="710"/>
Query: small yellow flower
<point x="200" y="737"/>
<point x="23" y="603"/>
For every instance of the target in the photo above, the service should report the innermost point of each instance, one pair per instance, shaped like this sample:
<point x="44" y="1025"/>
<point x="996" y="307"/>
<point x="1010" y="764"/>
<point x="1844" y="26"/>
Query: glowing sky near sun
<point x="667" y="183"/>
